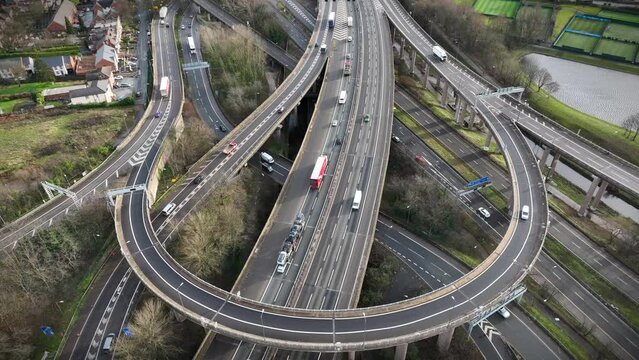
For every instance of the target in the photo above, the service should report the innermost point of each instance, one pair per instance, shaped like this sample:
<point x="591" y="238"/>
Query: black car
<point x="197" y="179"/>
<point x="222" y="128"/>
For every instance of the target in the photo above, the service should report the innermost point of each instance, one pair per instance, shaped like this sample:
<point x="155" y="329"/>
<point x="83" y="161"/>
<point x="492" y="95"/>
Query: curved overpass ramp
<point x="339" y="330"/>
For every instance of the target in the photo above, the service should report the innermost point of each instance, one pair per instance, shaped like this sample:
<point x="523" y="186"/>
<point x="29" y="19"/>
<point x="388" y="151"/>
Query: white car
<point x="504" y="313"/>
<point x="483" y="212"/>
<point x="525" y="212"/>
<point x="350" y="38"/>
<point x="182" y="27"/>
<point x="119" y="77"/>
<point x="334" y="123"/>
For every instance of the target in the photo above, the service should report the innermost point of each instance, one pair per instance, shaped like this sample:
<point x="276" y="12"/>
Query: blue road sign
<point x="46" y="330"/>
<point x="127" y="332"/>
<point x="479" y="181"/>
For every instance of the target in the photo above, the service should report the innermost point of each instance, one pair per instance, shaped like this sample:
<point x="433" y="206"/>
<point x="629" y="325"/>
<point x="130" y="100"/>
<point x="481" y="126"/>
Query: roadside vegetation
<point x="155" y="334"/>
<point x="256" y="13"/>
<point x="44" y="278"/>
<point x="215" y="240"/>
<point x="240" y="70"/>
<point x="56" y="145"/>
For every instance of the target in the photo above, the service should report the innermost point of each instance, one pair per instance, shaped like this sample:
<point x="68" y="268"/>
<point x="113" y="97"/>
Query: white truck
<point x="349" y="21"/>
<point x="165" y="86"/>
<point x="163" y="11"/>
<point x="439" y="52"/>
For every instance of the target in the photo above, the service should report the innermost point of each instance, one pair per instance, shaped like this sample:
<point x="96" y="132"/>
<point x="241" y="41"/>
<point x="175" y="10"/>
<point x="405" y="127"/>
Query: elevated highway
<point x="467" y="84"/>
<point x="345" y="329"/>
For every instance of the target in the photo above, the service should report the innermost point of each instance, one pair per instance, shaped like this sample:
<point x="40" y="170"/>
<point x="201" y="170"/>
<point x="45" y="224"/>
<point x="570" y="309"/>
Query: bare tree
<point x="153" y="334"/>
<point x="630" y="124"/>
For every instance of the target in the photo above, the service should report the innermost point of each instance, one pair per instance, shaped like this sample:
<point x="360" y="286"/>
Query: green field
<point x="566" y="12"/>
<point x="34" y="87"/>
<point x="577" y="41"/>
<point x="634" y="18"/>
<point x="622" y="32"/>
<point x="589" y="26"/>
<point x="616" y="48"/>
<point x="507" y="8"/>
<point x="546" y="11"/>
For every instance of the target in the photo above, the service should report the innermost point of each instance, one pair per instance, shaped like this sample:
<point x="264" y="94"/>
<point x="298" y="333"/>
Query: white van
<point x="266" y="158"/>
<point x="357" y="199"/>
<point x="108" y="343"/>
<point x="168" y="209"/>
<point x="525" y="212"/>
<point x="342" y="97"/>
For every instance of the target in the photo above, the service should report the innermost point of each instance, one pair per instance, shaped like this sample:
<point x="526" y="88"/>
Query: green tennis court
<point x="577" y="41"/>
<point x="587" y="25"/>
<point x="616" y="49"/>
<point x="622" y="32"/>
<point x="507" y="8"/>
<point x="634" y="18"/>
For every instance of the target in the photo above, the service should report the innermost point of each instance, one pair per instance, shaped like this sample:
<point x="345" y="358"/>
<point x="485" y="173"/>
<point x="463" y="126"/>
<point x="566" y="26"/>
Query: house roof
<point x="95" y="87"/>
<point x="57" y="61"/>
<point x="65" y="11"/>
<point x="105" y="52"/>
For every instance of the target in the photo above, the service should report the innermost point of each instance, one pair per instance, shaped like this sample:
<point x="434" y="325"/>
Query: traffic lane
<point x="128" y="298"/>
<point x="594" y="313"/>
<point x="300" y="13"/>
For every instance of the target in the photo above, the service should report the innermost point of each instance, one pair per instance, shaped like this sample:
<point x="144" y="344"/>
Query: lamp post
<point x="408" y="214"/>
<point x="180" y="295"/>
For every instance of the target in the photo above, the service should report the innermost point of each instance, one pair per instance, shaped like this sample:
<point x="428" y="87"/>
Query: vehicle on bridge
<point x="191" y="45"/>
<point x="348" y="66"/>
<point x="331" y="20"/>
<point x="230" y="148"/>
<point x="165" y="86"/>
<point x="349" y="21"/>
<point x="357" y="200"/>
<point x="318" y="172"/>
<point x="440" y="53"/>
<point x="291" y="243"/>
<point x="163" y="11"/>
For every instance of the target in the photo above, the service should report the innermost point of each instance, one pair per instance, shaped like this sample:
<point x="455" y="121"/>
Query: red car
<point x="230" y="148"/>
<point x="422" y="160"/>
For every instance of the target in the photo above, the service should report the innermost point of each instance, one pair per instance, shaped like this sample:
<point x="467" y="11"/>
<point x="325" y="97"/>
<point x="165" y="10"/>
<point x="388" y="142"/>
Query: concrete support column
<point x="553" y="165"/>
<point x="460" y="111"/>
<point x="489" y="138"/>
<point x="471" y="117"/>
<point x="412" y="61"/>
<point x="583" y="209"/>
<point x="426" y="69"/>
<point x="544" y="156"/>
<point x="439" y="80"/>
<point x="401" y="48"/>
<point x="351" y="355"/>
<point x="443" y="340"/>
<point x="444" y="93"/>
<point x="600" y="191"/>
<point x="400" y="351"/>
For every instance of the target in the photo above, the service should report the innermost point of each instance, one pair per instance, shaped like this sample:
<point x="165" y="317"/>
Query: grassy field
<point x="616" y="48"/>
<point x="8" y="105"/>
<point x="546" y="11"/>
<point x="587" y="25"/>
<point x="34" y="87"/>
<point x="507" y="8"/>
<point x="605" y="134"/>
<point x="634" y="18"/>
<point x="577" y="41"/>
<point x="566" y="12"/>
<point x="622" y="32"/>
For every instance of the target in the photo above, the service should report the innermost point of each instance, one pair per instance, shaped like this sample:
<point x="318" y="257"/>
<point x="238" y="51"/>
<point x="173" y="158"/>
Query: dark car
<point x="197" y="179"/>
<point x="222" y="128"/>
<point x="157" y="114"/>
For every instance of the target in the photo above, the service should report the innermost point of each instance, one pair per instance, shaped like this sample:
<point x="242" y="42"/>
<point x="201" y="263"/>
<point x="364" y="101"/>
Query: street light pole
<point x="180" y="295"/>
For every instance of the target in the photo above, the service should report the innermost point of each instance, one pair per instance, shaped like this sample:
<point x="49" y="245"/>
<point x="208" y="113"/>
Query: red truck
<point x="318" y="172"/>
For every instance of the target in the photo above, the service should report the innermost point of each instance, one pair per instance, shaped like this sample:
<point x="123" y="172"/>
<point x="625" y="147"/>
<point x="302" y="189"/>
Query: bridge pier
<point x="489" y="138"/>
<point x="553" y="165"/>
<point x="583" y="209"/>
<point x="600" y="191"/>
<point x="401" y="48"/>
<point x="400" y="351"/>
<point x="460" y="111"/>
<point x="412" y="61"/>
<point x="443" y="340"/>
<point x="544" y="156"/>
<point x="426" y="69"/>
<point x="444" y="98"/>
<point x="351" y="355"/>
<point x="439" y="80"/>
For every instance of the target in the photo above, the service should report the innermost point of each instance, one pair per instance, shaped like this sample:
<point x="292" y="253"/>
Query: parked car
<point x="118" y="77"/>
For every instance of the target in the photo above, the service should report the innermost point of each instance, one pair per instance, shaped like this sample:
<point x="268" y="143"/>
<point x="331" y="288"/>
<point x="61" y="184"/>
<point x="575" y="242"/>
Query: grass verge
<point x="602" y="133"/>
<point x="460" y="166"/>
<point x="34" y="87"/>
<point x="594" y="282"/>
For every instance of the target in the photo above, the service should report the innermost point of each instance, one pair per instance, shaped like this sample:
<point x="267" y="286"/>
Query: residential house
<point x="61" y="65"/>
<point x="9" y="67"/>
<point x="97" y="91"/>
<point x="106" y="56"/>
<point x="60" y="93"/>
<point x="103" y="73"/>
<point x="85" y="65"/>
<point x="65" y="13"/>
